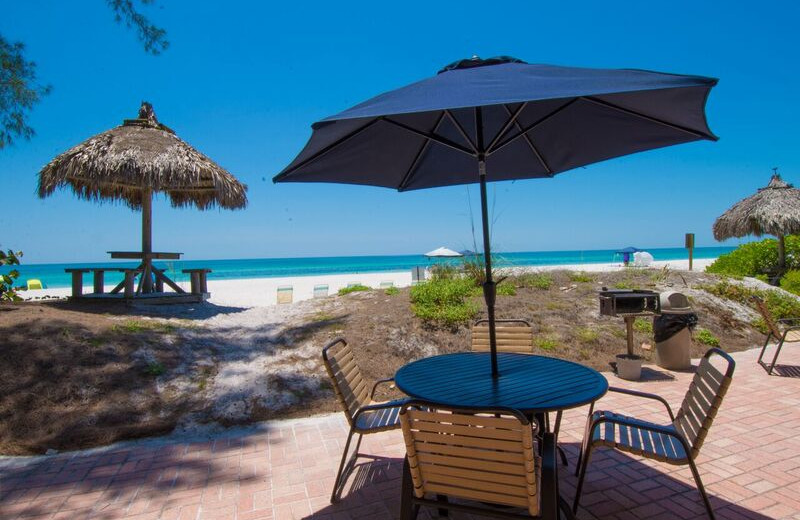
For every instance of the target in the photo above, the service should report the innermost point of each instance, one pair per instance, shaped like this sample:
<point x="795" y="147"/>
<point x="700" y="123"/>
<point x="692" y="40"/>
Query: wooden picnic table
<point x="146" y="285"/>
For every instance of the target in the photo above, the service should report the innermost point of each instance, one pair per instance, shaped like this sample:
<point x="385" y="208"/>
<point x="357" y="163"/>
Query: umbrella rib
<point x="325" y="150"/>
<point x="530" y="127"/>
<point x="420" y="153"/>
<point x="652" y="119"/>
<point x="507" y="126"/>
<point x="431" y="136"/>
<point x="531" y="145"/>
<point x="461" y="130"/>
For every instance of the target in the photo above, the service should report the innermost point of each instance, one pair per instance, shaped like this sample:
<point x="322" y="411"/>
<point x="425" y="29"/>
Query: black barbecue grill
<point x="629" y="302"/>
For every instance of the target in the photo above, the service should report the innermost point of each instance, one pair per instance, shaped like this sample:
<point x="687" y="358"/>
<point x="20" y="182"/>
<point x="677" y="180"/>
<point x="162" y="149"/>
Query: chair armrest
<point x="374" y="407"/>
<point x="378" y="383"/>
<point x="644" y="395"/>
<point x="655" y="428"/>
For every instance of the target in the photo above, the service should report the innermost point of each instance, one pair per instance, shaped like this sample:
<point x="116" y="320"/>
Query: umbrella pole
<point x="781" y="254"/>
<point x="147" y="239"/>
<point x="489" y="286"/>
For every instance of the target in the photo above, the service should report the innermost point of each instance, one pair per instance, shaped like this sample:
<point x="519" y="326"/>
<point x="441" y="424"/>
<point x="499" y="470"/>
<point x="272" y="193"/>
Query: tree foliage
<point x="7" y="291"/>
<point x="757" y="258"/>
<point x="20" y="89"/>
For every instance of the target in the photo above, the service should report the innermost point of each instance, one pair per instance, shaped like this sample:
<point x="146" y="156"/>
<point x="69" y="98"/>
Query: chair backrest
<point x="489" y="457"/>
<point x="768" y="319"/>
<point x="703" y="399"/>
<point x="511" y="336"/>
<point x="348" y="383"/>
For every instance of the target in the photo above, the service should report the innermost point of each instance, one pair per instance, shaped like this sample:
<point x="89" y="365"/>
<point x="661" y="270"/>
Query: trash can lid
<point x="673" y="302"/>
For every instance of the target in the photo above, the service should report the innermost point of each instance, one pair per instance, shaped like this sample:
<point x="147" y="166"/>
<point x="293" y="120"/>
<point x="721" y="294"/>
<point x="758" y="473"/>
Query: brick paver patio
<point x="750" y="465"/>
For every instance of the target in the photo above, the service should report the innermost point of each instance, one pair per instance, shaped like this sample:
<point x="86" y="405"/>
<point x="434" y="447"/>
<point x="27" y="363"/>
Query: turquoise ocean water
<point x="53" y="275"/>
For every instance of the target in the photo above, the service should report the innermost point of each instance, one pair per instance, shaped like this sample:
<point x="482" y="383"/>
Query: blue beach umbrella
<point x="501" y="119"/>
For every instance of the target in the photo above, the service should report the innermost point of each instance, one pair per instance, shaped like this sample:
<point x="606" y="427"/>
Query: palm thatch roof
<point x="139" y="157"/>
<point x="774" y="210"/>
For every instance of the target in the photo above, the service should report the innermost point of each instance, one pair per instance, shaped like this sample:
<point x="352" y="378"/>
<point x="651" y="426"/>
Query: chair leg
<point x="702" y="489"/>
<point x="585" y="439"/>
<point x="775" y="358"/>
<point x="582" y="474"/>
<point x="335" y="495"/>
<point x="764" y="349"/>
<point x="443" y="511"/>
<point x="408" y="510"/>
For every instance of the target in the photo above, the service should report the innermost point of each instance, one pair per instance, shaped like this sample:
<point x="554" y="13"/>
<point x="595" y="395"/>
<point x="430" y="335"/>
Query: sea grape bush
<point x="7" y="277"/>
<point x="756" y="258"/>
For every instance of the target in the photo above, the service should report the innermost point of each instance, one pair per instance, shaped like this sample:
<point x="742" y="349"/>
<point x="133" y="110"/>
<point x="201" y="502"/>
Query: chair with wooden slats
<point x="478" y="456"/>
<point x="364" y="414"/>
<point x="676" y="443"/>
<point x="511" y="336"/>
<point x="783" y="331"/>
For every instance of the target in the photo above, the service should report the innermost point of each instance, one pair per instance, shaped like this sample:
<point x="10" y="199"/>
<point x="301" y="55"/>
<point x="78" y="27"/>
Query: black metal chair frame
<point x="586" y="449"/>
<point x="410" y="504"/>
<point x="346" y="465"/>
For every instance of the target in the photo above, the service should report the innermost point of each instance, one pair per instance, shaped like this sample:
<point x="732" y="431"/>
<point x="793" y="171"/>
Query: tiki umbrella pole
<point x="489" y="286"/>
<point x="781" y="254"/>
<point x="147" y="239"/>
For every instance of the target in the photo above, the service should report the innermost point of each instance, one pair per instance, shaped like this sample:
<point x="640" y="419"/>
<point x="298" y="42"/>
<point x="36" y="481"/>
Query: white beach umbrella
<point x="443" y="252"/>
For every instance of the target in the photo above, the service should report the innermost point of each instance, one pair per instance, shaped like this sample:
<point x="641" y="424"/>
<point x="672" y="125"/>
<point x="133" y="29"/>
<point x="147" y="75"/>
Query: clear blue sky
<point x="243" y="81"/>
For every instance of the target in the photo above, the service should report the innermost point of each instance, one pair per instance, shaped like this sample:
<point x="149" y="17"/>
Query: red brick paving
<point x="750" y="464"/>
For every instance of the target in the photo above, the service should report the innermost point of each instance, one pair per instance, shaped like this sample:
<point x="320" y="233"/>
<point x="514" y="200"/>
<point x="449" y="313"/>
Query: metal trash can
<point x="672" y="331"/>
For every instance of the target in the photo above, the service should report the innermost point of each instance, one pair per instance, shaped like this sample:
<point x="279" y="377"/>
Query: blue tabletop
<point x="531" y="384"/>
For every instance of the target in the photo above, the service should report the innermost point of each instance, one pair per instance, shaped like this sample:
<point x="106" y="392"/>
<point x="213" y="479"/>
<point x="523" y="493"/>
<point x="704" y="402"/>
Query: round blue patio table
<point x="531" y="384"/>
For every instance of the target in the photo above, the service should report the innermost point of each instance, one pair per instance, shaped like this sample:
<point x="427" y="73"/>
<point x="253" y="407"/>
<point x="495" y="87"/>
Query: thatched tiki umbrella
<point x="774" y="210"/>
<point x="131" y="162"/>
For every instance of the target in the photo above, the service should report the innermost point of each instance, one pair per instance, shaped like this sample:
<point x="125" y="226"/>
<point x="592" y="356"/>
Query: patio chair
<point x="364" y="414"/>
<point x="511" y="335"/>
<point x="676" y="443"/>
<point x="788" y="334"/>
<point x="487" y="456"/>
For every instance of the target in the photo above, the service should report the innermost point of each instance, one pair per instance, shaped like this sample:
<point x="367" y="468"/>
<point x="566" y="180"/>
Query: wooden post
<point x="195" y="282"/>
<point x="629" y="333"/>
<point x="147" y="239"/>
<point x="781" y="255"/>
<point x="77" y="283"/>
<point x="129" y="285"/>
<point x="690" y="247"/>
<point x="204" y="282"/>
<point x="99" y="281"/>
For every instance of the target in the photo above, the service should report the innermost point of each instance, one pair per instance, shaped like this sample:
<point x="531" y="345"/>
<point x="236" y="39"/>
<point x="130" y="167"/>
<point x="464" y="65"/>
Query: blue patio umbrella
<point x="501" y="119"/>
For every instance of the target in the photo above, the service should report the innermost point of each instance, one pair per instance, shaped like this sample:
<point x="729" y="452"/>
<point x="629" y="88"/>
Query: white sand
<point x="259" y="292"/>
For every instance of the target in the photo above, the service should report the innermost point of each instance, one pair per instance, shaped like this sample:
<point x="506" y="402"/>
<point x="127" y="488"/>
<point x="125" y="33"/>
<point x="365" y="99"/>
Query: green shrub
<point x="627" y="283"/>
<point x="587" y="335"/>
<point x="444" y="271"/>
<point x="506" y="289"/>
<point x="7" y="291"/>
<point x="757" y="258"/>
<point x="706" y="337"/>
<point x="791" y="282"/>
<point x="353" y="288"/>
<point x="391" y="291"/>
<point x="541" y="281"/>
<point x="581" y="276"/>
<point x="444" y="301"/>
<point x="643" y="325"/>
<point x="546" y="343"/>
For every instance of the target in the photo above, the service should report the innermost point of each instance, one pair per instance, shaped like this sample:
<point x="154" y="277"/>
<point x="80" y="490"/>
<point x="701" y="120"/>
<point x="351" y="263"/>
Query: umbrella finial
<point x="776" y="181"/>
<point x="146" y="112"/>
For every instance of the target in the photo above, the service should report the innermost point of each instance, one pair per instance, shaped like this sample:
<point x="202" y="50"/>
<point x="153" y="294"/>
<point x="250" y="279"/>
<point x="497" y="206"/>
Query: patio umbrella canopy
<point x="501" y="119"/>
<point x="443" y="252"/>
<point x="773" y="210"/>
<point x="132" y="161"/>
